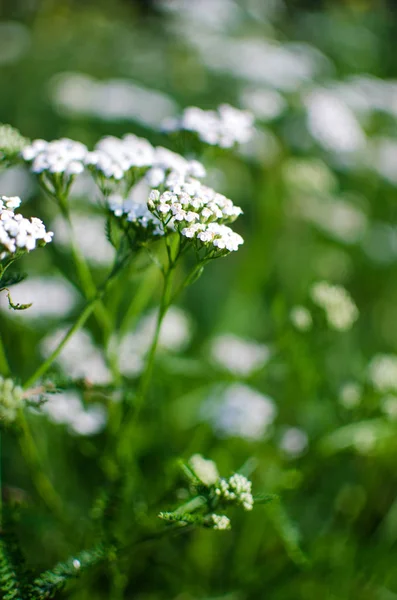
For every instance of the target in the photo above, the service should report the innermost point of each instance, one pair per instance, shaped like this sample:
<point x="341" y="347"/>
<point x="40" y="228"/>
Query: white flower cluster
<point x="67" y="409"/>
<point x="350" y="394"/>
<point x="383" y="372"/>
<point x="206" y="470"/>
<point x="301" y="318"/>
<point x="11" y="142"/>
<point x="11" y="400"/>
<point x="220" y="522"/>
<point x="60" y="157"/>
<point x="239" y="356"/>
<point x="242" y="411"/>
<point x="18" y="233"/>
<point x="113" y="157"/>
<point x="236" y="490"/>
<point x="197" y="212"/>
<point x="340" y="310"/>
<point x="223" y="127"/>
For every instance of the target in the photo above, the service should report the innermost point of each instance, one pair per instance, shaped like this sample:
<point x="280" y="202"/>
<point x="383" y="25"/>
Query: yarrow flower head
<point x="118" y="163"/>
<point x="220" y="522"/>
<point x="57" y="162"/>
<point x="11" y="143"/>
<point x="206" y="470"/>
<point x="340" y="310"/>
<point x="11" y="400"/>
<point x="18" y="234"/>
<point x="198" y="213"/>
<point x="223" y="127"/>
<point x="235" y="490"/>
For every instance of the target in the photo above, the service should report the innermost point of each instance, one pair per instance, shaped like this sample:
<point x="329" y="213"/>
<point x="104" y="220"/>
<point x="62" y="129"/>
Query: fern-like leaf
<point x="13" y="581"/>
<point x="52" y="581"/>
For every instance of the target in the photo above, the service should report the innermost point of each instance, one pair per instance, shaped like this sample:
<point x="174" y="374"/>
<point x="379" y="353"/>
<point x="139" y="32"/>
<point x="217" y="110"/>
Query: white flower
<point x="79" y="358"/>
<point x="11" y="400"/>
<point x="66" y="408"/>
<point x="220" y="522"/>
<point x="383" y="372"/>
<point x="389" y="407"/>
<point x="350" y="394"/>
<point x="301" y="318"/>
<point x="341" y="312"/>
<point x="225" y="127"/>
<point x="236" y="490"/>
<point x="293" y="442"/>
<point x="18" y="233"/>
<point x="237" y="355"/>
<point x="240" y="411"/>
<point x="206" y="470"/>
<point x="62" y="156"/>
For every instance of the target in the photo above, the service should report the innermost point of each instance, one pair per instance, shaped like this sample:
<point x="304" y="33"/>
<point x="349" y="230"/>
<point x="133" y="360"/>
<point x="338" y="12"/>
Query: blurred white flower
<point x="337" y="217"/>
<point x="111" y="100"/>
<point x="175" y="335"/>
<point x="51" y="298"/>
<point x="340" y="310"/>
<point x="389" y="406"/>
<point x="382" y="372"/>
<point x="67" y="408"/>
<point x="237" y="355"/>
<point x="332" y="123"/>
<point x="350" y="394"/>
<point x="80" y="358"/>
<point x="301" y="318"/>
<point x="206" y="470"/>
<point x="293" y="442"/>
<point x="264" y="104"/>
<point x="240" y="411"/>
<point x="89" y="230"/>
<point x="309" y="175"/>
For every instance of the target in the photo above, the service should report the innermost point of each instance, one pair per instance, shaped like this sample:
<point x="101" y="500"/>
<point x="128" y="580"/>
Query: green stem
<point x="42" y="483"/>
<point x="4" y="366"/>
<point x="88" y="309"/>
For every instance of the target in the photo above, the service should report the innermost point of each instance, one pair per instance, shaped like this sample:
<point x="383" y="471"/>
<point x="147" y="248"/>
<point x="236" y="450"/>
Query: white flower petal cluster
<point x="67" y="409"/>
<point x="113" y="157"/>
<point x="220" y="522"/>
<point x="383" y="372"/>
<point x="350" y="394"/>
<point x="236" y="490"/>
<point x="242" y="411"/>
<point x="18" y="233"/>
<point x="11" y="400"/>
<point x="60" y="157"/>
<point x="206" y="470"/>
<point x="239" y="356"/>
<point x="340" y="310"/>
<point x="197" y="212"/>
<point x="293" y="442"/>
<point x="223" y="127"/>
<point x="301" y="318"/>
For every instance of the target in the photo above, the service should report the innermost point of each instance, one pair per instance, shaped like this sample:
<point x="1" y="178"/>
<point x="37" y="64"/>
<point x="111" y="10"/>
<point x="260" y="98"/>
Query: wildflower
<point x="341" y="312"/>
<point x="241" y="411"/>
<point x="235" y="490"/>
<point x="11" y="400"/>
<point x="220" y="522"/>
<point x="239" y="356"/>
<point x="389" y="406"/>
<point x="383" y="372"/>
<point x="18" y="234"/>
<point x="350" y="394"/>
<point x="301" y="318"/>
<point x="205" y="470"/>
<point x="224" y="127"/>
<point x="293" y="442"/>
<point x="57" y="162"/>
<point x="67" y="409"/>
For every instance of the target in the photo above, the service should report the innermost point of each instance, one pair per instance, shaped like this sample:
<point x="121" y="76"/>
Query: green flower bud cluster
<point x="11" y="400"/>
<point x="11" y="143"/>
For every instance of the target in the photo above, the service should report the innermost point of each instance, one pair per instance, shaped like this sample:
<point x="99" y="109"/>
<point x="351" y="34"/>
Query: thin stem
<point x="4" y="365"/>
<point x="88" y="309"/>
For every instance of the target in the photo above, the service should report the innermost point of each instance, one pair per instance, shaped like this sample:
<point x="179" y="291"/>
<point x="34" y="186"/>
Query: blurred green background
<point x="313" y="413"/>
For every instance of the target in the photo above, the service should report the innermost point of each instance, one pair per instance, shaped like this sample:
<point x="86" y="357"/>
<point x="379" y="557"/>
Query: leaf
<point x="9" y="279"/>
<point x="287" y="531"/>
